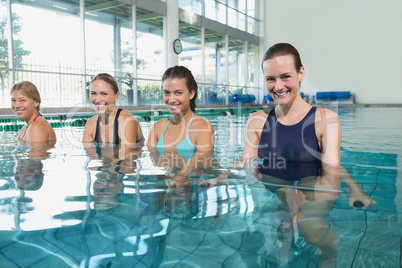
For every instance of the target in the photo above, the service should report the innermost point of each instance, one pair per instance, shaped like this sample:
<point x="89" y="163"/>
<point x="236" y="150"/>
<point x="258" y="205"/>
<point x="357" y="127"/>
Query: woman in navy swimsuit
<point x="300" y="150"/>
<point x="293" y="132"/>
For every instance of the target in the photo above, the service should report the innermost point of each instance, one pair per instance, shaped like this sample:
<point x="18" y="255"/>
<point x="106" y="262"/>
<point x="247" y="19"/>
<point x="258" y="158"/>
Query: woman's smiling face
<point x="282" y="79"/>
<point x="23" y="106"/>
<point x="103" y="98"/>
<point x="176" y="95"/>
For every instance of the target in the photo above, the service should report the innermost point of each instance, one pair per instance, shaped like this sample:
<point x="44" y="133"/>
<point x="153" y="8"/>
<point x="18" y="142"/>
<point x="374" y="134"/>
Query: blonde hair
<point x="29" y="90"/>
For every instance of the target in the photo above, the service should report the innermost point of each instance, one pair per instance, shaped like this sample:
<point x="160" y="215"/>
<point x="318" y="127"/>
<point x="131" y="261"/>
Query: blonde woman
<point x="25" y="102"/>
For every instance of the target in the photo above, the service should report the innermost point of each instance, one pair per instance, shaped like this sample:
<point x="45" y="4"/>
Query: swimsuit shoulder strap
<point x="116" y="138"/>
<point x="160" y="142"/>
<point x="97" y="131"/>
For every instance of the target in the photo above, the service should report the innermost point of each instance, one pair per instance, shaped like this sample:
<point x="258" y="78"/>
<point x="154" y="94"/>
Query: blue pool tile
<point x="7" y="263"/>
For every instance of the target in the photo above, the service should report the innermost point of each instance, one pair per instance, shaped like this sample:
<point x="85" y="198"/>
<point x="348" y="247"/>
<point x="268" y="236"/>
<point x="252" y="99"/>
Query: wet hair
<point x="282" y="49"/>
<point x="108" y="79"/>
<point x="181" y="72"/>
<point x="29" y="90"/>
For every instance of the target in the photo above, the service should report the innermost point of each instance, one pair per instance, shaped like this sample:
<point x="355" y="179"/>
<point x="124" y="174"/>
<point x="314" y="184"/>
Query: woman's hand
<point x="359" y="199"/>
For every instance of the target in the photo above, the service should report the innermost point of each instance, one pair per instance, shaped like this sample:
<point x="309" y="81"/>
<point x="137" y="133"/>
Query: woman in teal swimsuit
<point x="185" y="132"/>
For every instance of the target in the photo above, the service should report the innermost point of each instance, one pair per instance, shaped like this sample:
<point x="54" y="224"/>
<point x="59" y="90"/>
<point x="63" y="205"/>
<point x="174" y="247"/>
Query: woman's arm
<point x="129" y="128"/>
<point x="357" y="197"/>
<point x="205" y="134"/>
<point x="255" y="125"/>
<point x="330" y="135"/>
<point x="89" y="130"/>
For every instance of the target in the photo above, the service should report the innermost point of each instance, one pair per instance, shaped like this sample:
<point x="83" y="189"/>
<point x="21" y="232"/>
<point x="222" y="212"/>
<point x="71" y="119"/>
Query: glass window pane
<point x="191" y="5"/>
<point x="191" y="57"/>
<point x="4" y="74"/>
<point x="215" y="11"/>
<point x="213" y="88"/>
<point x="150" y="57"/>
<point x="48" y="54"/>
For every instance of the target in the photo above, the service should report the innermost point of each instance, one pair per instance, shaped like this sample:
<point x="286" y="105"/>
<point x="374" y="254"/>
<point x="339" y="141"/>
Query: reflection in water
<point x="305" y="204"/>
<point x="299" y="216"/>
<point x="107" y="189"/>
<point x="119" y="158"/>
<point x="189" y="214"/>
<point x="29" y="175"/>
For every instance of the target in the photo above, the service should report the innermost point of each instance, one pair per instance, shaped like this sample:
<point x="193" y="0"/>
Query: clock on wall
<point x="177" y="46"/>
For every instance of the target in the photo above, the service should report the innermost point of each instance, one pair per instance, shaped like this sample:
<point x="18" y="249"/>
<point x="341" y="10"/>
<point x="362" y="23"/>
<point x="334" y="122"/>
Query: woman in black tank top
<point x="111" y="125"/>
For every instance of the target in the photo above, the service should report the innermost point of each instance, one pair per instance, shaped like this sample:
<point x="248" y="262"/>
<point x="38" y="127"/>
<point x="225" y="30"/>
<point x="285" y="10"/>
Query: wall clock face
<point x="177" y="46"/>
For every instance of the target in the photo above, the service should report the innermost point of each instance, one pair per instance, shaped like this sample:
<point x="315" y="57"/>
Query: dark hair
<point x="282" y="49"/>
<point x="108" y="79"/>
<point x="181" y="72"/>
<point x="29" y="90"/>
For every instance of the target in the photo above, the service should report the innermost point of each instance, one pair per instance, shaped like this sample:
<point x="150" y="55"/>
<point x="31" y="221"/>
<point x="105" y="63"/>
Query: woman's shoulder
<point x="159" y="125"/>
<point x="40" y="122"/>
<point x="325" y="114"/>
<point x="92" y="121"/>
<point x="261" y="113"/>
<point x="125" y="113"/>
<point x="201" y="122"/>
<point x="258" y="118"/>
<point x="40" y="127"/>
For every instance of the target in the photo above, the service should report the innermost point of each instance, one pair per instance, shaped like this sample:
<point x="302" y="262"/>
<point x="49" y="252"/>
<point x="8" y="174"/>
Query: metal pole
<point x="134" y="36"/>
<point x="10" y="44"/>
<point x="83" y="55"/>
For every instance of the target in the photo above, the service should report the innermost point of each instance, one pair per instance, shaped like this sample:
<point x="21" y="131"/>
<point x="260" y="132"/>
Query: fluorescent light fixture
<point x="59" y="7"/>
<point x="91" y="14"/>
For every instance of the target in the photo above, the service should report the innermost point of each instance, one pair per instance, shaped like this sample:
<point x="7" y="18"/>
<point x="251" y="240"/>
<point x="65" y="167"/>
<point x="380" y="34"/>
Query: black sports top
<point x="116" y="138"/>
<point x="290" y="152"/>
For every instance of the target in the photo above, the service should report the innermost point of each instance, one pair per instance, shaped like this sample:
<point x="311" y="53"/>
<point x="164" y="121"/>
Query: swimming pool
<point x="80" y="211"/>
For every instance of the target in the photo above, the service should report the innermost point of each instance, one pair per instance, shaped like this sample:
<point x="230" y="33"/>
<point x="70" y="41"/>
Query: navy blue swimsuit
<point x="290" y="152"/>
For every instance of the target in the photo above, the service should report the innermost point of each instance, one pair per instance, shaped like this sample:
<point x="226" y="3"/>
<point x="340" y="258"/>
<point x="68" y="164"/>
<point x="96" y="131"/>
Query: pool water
<point x="70" y="207"/>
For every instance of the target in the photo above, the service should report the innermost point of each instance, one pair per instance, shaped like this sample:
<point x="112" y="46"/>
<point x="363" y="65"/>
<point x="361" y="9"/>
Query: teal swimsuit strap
<point x="186" y="145"/>
<point x="161" y="140"/>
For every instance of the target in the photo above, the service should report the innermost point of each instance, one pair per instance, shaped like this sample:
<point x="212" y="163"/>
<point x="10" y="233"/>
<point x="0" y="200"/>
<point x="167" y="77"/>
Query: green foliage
<point x="19" y="52"/>
<point x="150" y="93"/>
<point x="127" y="60"/>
